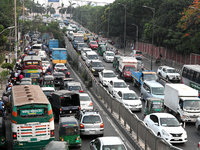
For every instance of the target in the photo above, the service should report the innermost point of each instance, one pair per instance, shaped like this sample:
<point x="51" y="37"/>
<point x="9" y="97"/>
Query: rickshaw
<point x="48" y="81"/>
<point x="99" y="45"/>
<point x="115" y="60"/>
<point x="102" y="49"/>
<point x="69" y="131"/>
<point x="153" y="105"/>
<point x="35" y="79"/>
<point x="3" y="141"/>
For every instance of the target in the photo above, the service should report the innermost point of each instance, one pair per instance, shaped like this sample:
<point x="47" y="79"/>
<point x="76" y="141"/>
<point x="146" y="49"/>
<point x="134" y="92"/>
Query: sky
<point x="99" y="2"/>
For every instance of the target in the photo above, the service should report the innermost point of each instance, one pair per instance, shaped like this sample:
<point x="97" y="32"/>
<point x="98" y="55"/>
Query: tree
<point x="50" y="9"/>
<point x="3" y="75"/>
<point x="70" y="7"/>
<point x="62" y="9"/>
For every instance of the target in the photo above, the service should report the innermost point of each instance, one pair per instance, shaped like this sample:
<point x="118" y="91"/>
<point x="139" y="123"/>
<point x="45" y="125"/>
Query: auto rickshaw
<point x="48" y="81"/>
<point x="102" y="49"/>
<point x="99" y="45"/>
<point x="115" y="60"/>
<point x="3" y="141"/>
<point x="35" y="79"/>
<point x="69" y="131"/>
<point x="153" y="105"/>
<point x="90" y="38"/>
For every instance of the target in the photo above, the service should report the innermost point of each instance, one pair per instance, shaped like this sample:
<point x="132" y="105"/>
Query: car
<point x="53" y="145"/>
<point x="137" y="54"/>
<point x="107" y="143"/>
<point x="96" y="66"/>
<point x="45" y="66"/>
<point x="152" y="89"/>
<point x="69" y="35"/>
<point x="48" y="91"/>
<point x="80" y="32"/>
<point x="130" y="99"/>
<point x="42" y="55"/>
<point x="59" y="79"/>
<point x="93" y="45"/>
<point x="106" y="76"/>
<point x="108" y="56"/>
<point x="115" y="85"/>
<point x="65" y="71"/>
<point x="90" y="56"/>
<point x="197" y="124"/>
<point x="80" y="46"/>
<point x="83" y="52"/>
<point x="86" y="102"/>
<point x="73" y="86"/>
<point x="166" y="126"/>
<point x="91" y="123"/>
<point x="59" y="66"/>
<point x="169" y="73"/>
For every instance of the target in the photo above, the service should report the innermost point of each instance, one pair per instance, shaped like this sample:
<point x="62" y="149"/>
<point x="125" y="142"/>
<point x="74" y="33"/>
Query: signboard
<point x="53" y="0"/>
<point x="32" y="112"/>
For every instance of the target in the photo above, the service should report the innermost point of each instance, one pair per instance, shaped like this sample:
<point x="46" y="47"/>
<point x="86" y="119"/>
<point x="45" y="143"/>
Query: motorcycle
<point x="14" y="80"/>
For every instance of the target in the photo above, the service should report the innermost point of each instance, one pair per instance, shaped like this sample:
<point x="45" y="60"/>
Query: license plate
<point x="176" y="139"/>
<point x="33" y="139"/>
<point x="94" y="47"/>
<point x="92" y="132"/>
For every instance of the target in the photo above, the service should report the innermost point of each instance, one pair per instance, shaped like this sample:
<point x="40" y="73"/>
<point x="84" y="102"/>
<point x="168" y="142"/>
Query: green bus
<point x="32" y="118"/>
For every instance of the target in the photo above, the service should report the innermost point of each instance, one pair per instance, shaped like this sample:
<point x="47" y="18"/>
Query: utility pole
<point x="15" y="30"/>
<point x="108" y="22"/>
<point x="23" y="11"/>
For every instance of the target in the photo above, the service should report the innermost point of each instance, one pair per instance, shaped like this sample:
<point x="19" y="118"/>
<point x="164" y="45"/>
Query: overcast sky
<point x="99" y="2"/>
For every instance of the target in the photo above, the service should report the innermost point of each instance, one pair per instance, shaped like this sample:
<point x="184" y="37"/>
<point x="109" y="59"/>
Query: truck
<point x="53" y="43"/>
<point x="125" y="65"/>
<point x="182" y="101"/>
<point x="65" y="103"/>
<point x="144" y="75"/>
<point x="77" y="38"/>
<point x="59" y="55"/>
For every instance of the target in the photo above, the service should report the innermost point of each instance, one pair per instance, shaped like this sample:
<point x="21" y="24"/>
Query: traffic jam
<point x="164" y="99"/>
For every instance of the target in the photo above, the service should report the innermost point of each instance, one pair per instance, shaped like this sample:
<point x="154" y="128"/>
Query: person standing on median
<point x="6" y="58"/>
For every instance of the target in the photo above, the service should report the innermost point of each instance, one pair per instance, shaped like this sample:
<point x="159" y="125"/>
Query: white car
<point x="166" y="126"/>
<point x="42" y="55"/>
<point x="116" y="85"/>
<point x="48" y="91"/>
<point x="106" y="76"/>
<point x="90" y="56"/>
<point x="85" y="101"/>
<point x="108" y="56"/>
<point x="83" y="52"/>
<point x="45" y="65"/>
<point x="130" y="99"/>
<point x="59" y="66"/>
<point x="169" y="73"/>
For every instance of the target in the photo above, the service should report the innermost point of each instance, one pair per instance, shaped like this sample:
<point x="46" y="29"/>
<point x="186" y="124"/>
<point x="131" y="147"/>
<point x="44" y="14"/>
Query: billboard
<point x="53" y="0"/>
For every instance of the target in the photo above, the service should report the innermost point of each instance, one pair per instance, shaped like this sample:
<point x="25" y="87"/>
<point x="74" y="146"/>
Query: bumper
<point x="109" y="60"/>
<point x="91" y="131"/>
<point x="176" y="139"/>
<point x="136" y="108"/>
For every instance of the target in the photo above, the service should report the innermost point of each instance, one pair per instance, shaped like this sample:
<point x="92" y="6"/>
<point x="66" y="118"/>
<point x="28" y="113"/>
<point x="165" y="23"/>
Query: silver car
<point x="91" y="123"/>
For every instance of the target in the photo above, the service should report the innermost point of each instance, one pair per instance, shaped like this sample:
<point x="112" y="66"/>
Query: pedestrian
<point x="6" y="58"/>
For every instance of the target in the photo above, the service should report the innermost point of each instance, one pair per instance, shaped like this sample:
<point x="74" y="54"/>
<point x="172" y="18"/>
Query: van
<point x="37" y="47"/>
<point x="91" y="55"/>
<point x="34" y="41"/>
<point x="152" y="89"/>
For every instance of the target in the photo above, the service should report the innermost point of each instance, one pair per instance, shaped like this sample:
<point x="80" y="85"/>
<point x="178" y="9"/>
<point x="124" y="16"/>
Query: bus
<point x="32" y="118"/>
<point x="191" y="76"/>
<point x="32" y="64"/>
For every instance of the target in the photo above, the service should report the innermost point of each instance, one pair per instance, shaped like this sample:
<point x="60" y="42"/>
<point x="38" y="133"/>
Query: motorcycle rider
<point x="2" y="107"/>
<point x="49" y="69"/>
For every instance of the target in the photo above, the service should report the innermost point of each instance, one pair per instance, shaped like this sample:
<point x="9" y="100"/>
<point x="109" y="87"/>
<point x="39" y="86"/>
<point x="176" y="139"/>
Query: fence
<point x="136" y="127"/>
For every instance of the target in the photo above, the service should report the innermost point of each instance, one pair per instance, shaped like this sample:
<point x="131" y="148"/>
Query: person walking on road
<point x="6" y="58"/>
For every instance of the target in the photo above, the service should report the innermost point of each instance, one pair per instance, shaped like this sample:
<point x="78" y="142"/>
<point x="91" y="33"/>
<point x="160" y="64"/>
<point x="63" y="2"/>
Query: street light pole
<point x="108" y="22"/>
<point x="23" y="10"/>
<point x="153" y="10"/>
<point x="15" y="30"/>
<point x="136" y="35"/>
<point x="124" y="26"/>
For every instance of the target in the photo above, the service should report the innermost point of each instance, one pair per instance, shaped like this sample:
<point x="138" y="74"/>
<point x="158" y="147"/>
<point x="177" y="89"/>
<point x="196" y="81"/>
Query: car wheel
<point x="159" y="135"/>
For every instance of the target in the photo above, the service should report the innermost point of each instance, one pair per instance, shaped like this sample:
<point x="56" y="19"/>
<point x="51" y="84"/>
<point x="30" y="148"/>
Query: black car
<point x="59" y="78"/>
<point x="96" y="66"/>
<point x="65" y="71"/>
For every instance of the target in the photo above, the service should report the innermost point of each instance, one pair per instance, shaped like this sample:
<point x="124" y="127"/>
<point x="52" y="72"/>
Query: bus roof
<point x="28" y="94"/>
<point x="193" y="67"/>
<point x="28" y="58"/>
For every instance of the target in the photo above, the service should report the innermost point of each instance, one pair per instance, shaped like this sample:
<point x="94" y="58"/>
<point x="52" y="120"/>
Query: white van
<point x="91" y="55"/>
<point x="37" y="47"/>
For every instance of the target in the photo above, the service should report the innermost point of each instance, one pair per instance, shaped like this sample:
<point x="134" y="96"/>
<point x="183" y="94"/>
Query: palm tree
<point x="50" y="9"/>
<point x="70" y="6"/>
<point x="62" y="9"/>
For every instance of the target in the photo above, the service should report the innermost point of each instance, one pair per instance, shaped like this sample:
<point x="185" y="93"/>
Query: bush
<point x="7" y="66"/>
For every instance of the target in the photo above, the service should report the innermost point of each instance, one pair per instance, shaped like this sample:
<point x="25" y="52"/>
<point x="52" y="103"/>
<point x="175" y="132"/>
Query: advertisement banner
<point x="53" y="0"/>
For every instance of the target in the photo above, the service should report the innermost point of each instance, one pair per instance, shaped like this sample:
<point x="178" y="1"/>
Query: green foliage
<point x="7" y="66"/>
<point x="3" y="75"/>
<point x="1" y="58"/>
<point x="13" y="61"/>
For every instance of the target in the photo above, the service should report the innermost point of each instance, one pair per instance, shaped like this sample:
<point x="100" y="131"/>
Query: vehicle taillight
<point x="198" y="145"/>
<point x="81" y="126"/>
<point x="62" y="139"/>
<point x="81" y="91"/>
<point x="90" y="104"/>
<point x="2" y="139"/>
<point x="61" y="97"/>
<point x="50" y="93"/>
<point x="52" y="133"/>
<point x="15" y="78"/>
<point x="79" y="108"/>
<point x="14" y="135"/>
<point x="68" y="72"/>
<point x="101" y="126"/>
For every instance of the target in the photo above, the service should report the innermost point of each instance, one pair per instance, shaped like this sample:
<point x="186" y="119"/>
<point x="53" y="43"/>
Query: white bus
<point x="191" y="76"/>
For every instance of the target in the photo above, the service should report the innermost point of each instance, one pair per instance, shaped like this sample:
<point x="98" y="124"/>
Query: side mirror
<point x="148" y="91"/>
<point x="181" y="124"/>
<point x="156" y="123"/>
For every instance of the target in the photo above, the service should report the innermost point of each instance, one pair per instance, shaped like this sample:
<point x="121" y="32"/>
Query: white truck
<point x="126" y="64"/>
<point x="183" y="101"/>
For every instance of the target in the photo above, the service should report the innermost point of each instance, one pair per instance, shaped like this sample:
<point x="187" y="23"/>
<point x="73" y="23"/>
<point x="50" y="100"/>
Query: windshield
<point x="114" y="147"/>
<point x="71" y="88"/>
<point x="109" y="75"/>
<point x="48" y="93"/>
<point x="60" y="66"/>
<point x="110" y="54"/>
<point x="97" y="64"/>
<point x="130" y="96"/>
<point x="69" y="130"/>
<point x="120" y="85"/>
<point x="85" y="98"/>
<point x="37" y="47"/>
<point x="171" y="70"/>
<point x="158" y="90"/>
<point x="192" y="104"/>
<point x="157" y="105"/>
<point x="81" y="45"/>
<point x="79" y="40"/>
<point x="169" y="122"/>
<point x="92" y="57"/>
<point x="93" y="42"/>
<point x="130" y="68"/>
<point x="150" y="77"/>
<point x="91" y="119"/>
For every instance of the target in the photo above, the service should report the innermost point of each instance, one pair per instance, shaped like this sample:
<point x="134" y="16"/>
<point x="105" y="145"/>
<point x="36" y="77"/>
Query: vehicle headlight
<point x="165" y="133"/>
<point x="184" y="133"/>
<point x="93" y="70"/>
<point x="126" y="104"/>
<point x="104" y="81"/>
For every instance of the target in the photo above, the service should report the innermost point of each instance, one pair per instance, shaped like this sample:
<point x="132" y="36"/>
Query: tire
<point x="158" y="134"/>
<point x="167" y="78"/>
<point x="134" y="84"/>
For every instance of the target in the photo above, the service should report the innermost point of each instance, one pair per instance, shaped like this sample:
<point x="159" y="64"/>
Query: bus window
<point x="194" y="77"/>
<point x="191" y="72"/>
<point x="197" y="79"/>
<point x="187" y="73"/>
<point x="184" y="72"/>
